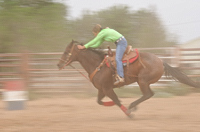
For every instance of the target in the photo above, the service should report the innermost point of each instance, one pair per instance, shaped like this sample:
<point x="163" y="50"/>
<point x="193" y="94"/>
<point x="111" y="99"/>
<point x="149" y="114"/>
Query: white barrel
<point x="15" y="95"/>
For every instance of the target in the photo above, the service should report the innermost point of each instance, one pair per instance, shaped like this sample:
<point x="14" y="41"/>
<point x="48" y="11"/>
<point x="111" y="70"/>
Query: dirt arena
<point x="68" y="114"/>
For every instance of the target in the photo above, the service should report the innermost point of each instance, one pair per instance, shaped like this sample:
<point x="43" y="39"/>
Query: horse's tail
<point x="180" y="76"/>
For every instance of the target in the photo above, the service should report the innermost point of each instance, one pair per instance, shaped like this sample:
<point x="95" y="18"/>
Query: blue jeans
<point x="121" y="48"/>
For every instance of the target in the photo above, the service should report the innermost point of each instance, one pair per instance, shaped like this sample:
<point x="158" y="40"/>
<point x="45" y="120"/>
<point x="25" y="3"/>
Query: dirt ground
<point x="68" y="114"/>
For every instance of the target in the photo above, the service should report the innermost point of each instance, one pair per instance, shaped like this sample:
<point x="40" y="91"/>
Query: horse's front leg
<point x="111" y="94"/>
<point x="101" y="95"/>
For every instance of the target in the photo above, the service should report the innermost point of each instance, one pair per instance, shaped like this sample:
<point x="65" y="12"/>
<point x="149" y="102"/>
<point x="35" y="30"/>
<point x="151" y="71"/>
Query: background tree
<point x="42" y="26"/>
<point x="141" y="28"/>
<point x="35" y="25"/>
<point x="149" y="31"/>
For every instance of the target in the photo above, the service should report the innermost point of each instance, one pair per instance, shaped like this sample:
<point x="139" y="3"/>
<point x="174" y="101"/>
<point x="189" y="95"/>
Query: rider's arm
<point x="96" y="42"/>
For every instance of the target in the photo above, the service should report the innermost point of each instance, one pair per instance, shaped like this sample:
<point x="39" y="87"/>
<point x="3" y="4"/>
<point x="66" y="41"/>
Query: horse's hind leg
<point x="146" y="91"/>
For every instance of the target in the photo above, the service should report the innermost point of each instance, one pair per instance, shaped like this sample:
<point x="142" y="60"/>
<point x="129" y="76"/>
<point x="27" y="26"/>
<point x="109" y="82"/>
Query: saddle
<point x="130" y="55"/>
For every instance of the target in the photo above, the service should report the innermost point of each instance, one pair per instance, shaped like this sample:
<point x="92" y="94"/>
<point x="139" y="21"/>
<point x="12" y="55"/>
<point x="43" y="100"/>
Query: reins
<point x="79" y="72"/>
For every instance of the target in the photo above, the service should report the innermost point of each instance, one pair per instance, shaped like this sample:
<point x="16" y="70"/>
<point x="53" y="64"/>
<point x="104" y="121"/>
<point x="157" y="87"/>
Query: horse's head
<point x="69" y="55"/>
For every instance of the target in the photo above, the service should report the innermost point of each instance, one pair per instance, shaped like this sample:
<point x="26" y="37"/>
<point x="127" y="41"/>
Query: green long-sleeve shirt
<point x="107" y="34"/>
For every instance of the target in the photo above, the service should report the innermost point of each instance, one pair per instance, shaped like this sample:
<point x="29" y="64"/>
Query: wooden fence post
<point x="177" y="53"/>
<point x="24" y="69"/>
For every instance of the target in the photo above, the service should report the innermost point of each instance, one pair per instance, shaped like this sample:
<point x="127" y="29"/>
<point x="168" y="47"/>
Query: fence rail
<point x="39" y="70"/>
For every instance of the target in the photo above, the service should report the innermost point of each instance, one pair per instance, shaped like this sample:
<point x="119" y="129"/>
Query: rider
<point x="109" y="35"/>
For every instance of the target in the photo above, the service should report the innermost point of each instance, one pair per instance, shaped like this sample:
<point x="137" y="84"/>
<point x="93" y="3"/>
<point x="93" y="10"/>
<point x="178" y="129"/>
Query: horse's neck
<point x="89" y="61"/>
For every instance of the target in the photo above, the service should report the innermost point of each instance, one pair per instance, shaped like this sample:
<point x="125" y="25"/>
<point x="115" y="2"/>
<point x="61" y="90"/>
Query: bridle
<point x="68" y="60"/>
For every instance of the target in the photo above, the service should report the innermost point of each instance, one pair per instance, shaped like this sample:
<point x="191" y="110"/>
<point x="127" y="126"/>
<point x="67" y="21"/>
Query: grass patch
<point x="127" y="92"/>
<point x="176" y="89"/>
<point x="35" y="94"/>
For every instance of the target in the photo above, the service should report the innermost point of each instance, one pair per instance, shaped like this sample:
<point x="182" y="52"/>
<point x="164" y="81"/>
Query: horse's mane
<point x="99" y="52"/>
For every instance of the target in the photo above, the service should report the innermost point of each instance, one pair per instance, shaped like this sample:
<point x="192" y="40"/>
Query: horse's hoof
<point x="130" y="116"/>
<point x="132" y="109"/>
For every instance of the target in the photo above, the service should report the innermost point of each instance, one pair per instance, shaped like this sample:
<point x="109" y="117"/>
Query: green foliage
<point x="176" y="89"/>
<point x="37" y="28"/>
<point x="149" y="31"/>
<point x="141" y="28"/>
<point x="42" y="26"/>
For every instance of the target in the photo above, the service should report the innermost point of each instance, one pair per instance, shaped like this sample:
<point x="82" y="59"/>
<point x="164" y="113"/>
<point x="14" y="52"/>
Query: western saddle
<point x="128" y="55"/>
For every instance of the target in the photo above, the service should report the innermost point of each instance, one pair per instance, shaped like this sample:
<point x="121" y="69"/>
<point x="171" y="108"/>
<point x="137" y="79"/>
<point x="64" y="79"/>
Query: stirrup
<point x="118" y="80"/>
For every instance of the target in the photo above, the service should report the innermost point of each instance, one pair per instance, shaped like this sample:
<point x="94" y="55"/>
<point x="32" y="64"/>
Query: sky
<point x="180" y="17"/>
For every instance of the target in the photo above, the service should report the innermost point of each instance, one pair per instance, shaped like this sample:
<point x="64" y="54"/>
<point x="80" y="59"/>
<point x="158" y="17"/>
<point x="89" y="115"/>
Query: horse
<point x="146" y="70"/>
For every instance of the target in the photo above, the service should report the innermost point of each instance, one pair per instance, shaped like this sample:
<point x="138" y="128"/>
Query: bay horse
<point x="148" y="72"/>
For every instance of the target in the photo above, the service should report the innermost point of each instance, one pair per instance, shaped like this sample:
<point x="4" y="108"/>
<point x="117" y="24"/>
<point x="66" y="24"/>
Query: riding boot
<point x="118" y="80"/>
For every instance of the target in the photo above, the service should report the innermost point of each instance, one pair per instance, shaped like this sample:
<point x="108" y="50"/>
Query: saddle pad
<point x="131" y="57"/>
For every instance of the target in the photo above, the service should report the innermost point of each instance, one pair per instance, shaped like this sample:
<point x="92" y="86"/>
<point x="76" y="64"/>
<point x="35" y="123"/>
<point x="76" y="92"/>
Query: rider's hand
<point x="80" y="47"/>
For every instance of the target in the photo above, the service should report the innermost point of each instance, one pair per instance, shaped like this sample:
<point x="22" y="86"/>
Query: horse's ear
<point x="72" y="41"/>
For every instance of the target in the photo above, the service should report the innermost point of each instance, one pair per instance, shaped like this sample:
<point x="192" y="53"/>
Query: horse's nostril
<point x="58" y="65"/>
